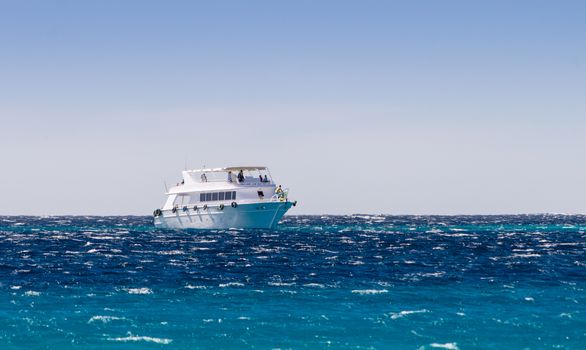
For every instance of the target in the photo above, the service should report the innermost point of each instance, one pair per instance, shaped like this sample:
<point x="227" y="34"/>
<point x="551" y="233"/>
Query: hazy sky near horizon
<point x="411" y="107"/>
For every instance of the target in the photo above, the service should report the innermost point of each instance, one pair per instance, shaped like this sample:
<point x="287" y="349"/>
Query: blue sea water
<point x="339" y="282"/>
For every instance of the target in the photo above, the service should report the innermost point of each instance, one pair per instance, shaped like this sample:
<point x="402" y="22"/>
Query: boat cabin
<point x="216" y="186"/>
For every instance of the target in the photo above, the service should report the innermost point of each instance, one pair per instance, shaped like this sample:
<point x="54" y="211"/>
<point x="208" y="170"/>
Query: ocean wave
<point x="401" y="314"/>
<point x="189" y="286"/>
<point x="281" y="284"/>
<point x="104" y="319"/>
<point x="137" y="338"/>
<point x="369" y="291"/>
<point x="447" y="346"/>
<point x="231" y="284"/>
<point x="139" y="291"/>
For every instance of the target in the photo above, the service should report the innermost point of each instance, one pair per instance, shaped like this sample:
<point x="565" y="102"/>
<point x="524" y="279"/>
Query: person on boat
<point x="241" y="176"/>
<point x="204" y="178"/>
<point x="266" y="179"/>
<point x="229" y="176"/>
<point x="279" y="192"/>
<point x="260" y="178"/>
<point x="183" y="182"/>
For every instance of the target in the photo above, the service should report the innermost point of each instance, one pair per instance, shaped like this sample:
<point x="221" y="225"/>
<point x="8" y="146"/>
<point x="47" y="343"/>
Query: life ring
<point x="205" y="206"/>
<point x="221" y="207"/>
<point x="185" y="208"/>
<point x="195" y="208"/>
<point x="174" y="210"/>
<point x="157" y="212"/>
<point x="234" y="204"/>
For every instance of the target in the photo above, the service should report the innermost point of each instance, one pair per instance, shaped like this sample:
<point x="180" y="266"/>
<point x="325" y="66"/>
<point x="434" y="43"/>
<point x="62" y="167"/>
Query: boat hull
<point x="250" y="215"/>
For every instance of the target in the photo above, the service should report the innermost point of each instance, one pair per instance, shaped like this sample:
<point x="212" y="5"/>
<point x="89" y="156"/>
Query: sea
<point x="315" y="282"/>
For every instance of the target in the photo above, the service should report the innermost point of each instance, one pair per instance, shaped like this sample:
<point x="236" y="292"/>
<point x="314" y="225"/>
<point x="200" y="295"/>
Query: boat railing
<point x="222" y="205"/>
<point x="241" y="183"/>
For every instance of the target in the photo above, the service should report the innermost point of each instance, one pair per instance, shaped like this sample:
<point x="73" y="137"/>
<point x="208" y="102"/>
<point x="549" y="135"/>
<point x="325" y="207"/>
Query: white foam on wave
<point x="136" y="338"/>
<point x="231" y="284"/>
<point x="528" y="255"/>
<point x="139" y="291"/>
<point x="32" y="293"/>
<point x="206" y="241"/>
<point x="314" y="285"/>
<point x="104" y="319"/>
<point x="189" y="286"/>
<point x="396" y="315"/>
<point x="281" y="284"/>
<point x="171" y="252"/>
<point x="369" y="291"/>
<point x="449" y="346"/>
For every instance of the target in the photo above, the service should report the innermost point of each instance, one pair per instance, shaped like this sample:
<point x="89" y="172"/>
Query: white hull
<point x="250" y="215"/>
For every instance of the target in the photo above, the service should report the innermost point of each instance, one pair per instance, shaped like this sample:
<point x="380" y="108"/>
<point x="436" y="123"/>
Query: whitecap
<point x="104" y="319"/>
<point x="314" y="285"/>
<point x="355" y="262"/>
<point x="281" y="284"/>
<point x="529" y="255"/>
<point x="448" y="346"/>
<point x="231" y="284"/>
<point x="139" y="291"/>
<point x="171" y="252"/>
<point x="369" y="291"/>
<point x="136" y="338"/>
<point x="189" y="286"/>
<point x="31" y="293"/>
<point x="396" y="315"/>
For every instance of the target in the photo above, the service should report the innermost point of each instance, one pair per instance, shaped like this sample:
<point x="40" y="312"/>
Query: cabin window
<point x="202" y="197"/>
<point x="215" y="196"/>
<point x="233" y="194"/>
<point x="228" y="196"/>
<point x="208" y="197"/>
<point x="221" y="196"/>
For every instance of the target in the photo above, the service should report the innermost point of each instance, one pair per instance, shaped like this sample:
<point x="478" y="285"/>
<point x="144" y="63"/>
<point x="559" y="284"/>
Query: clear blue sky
<point x="413" y="107"/>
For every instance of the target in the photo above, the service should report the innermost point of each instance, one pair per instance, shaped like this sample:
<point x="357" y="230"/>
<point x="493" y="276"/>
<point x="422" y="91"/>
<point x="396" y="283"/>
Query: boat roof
<point x="225" y="169"/>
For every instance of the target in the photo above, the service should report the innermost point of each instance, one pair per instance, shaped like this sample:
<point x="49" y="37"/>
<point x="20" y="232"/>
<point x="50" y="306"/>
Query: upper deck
<point x="223" y="178"/>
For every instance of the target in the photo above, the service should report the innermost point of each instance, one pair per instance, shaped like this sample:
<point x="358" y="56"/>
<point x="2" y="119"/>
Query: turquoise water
<point x="350" y="282"/>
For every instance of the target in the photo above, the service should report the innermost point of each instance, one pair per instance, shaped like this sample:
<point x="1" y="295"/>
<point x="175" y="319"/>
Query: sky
<point x="380" y="107"/>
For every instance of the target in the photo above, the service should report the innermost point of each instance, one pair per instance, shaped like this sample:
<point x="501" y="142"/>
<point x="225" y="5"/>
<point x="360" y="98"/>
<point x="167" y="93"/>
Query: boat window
<point x="221" y="196"/>
<point x="208" y="197"/>
<point x="233" y="194"/>
<point x="202" y="197"/>
<point x="215" y="196"/>
<point x="228" y="196"/>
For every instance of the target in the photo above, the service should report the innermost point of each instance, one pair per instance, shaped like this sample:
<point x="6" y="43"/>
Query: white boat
<point x="221" y="198"/>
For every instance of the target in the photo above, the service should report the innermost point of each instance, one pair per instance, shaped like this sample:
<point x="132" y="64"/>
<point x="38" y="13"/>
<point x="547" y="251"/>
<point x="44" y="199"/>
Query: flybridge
<point x="243" y="176"/>
<point x="227" y="169"/>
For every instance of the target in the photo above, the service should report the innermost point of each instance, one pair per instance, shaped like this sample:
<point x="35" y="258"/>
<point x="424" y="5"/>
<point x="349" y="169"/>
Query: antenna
<point x="166" y="189"/>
